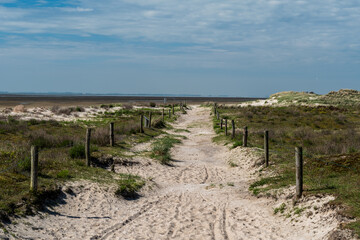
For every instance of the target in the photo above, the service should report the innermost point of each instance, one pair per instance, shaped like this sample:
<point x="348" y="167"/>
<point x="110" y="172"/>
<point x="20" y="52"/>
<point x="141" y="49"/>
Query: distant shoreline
<point x="47" y="100"/>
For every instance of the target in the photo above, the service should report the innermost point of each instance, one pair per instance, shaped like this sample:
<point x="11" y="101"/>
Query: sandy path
<point x="200" y="197"/>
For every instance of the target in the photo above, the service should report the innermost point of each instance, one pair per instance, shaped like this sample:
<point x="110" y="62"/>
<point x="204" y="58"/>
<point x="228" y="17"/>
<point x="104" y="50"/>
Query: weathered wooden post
<point x="87" y="147"/>
<point x="245" y="137"/>
<point x="34" y="168"/>
<point x="233" y="128"/>
<point x="266" y="147"/>
<point x="226" y="133"/>
<point x="141" y="123"/>
<point x="112" y="140"/>
<point x="163" y="115"/>
<point x="173" y="109"/>
<point x="221" y="124"/>
<point x="169" y="113"/>
<point x="150" y="114"/>
<point x="299" y="171"/>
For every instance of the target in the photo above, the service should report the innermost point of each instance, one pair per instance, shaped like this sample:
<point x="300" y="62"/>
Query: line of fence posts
<point x="87" y="146"/>
<point x="266" y="147"/>
<point x="298" y="154"/>
<point x="299" y="171"/>
<point x="34" y="168"/>
<point x="112" y="139"/>
<point x="233" y="129"/>
<point x="226" y="129"/>
<point x="245" y="136"/>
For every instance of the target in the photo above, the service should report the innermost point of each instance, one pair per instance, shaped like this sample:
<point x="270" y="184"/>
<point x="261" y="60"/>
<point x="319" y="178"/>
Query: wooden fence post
<point x="266" y="147"/>
<point x="299" y="171"/>
<point x="150" y="114"/>
<point x="141" y="123"/>
<point x="233" y="128"/>
<point x="245" y="137"/>
<point x="112" y="140"/>
<point x="87" y="147"/>
<point x="34" y="168"/>
<point x="226" y="133"/>
<point x="221" y="124"/>
<point x="169" y="113"/>
<point x="173" y="109"/>
<point x="163" y="115"/>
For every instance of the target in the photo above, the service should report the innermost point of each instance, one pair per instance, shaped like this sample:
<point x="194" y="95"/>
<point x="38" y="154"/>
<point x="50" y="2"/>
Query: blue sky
<point x="229" y="47"/>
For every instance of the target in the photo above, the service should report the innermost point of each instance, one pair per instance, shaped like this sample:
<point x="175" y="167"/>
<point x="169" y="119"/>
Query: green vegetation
<point x="161" y="148"/>
<point x="339" y="98"/>
<point x="129" y="186"/>
<point x="62" y="153"/>
<point x="330" y="136"/>
<point x="280" y="209"/>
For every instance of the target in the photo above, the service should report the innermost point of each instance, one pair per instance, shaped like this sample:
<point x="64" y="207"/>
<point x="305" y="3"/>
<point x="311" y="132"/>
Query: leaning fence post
<point x="245" y="137"/>
<point x="221" y="124"/>
<point x="299" y="171"/>
<point x="34" y="168"/>
<point x="233" y="128"/>
<point x="141" y="123"/>
<point x="87" y="146"/>
<point x="163" y="115"/>
<point x="112" y="140"/>
<point x="226" y="133"/>
<point x="150" y="114"/>
<point x="266" y="147"/>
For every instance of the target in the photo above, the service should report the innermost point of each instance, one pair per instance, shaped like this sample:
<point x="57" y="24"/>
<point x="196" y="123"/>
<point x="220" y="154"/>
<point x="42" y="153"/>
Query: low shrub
<point x="129" y="186"/>
<point x="161" y="149"/>
<point x="77" y="151"/>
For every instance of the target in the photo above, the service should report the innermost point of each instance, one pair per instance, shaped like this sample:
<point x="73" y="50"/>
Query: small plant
<point x="25" y="164"/>
<point x="64" y="174"/>
<point x="298" y="211"/>
<point x="280" y="209"/>
<point x="129" y="185"/>
<point x="231" y="184"/>
<point x="152" y="104"/>
<point x="77" y="151"/>
<point x="232" y="164"/>
<point x="161" y="149"/>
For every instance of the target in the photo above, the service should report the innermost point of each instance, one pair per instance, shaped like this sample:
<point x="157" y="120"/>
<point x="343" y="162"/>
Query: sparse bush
<point x="127" y="106"/>
<point x="152" y="104"/>
<point x="101" y="136"/>
<point x="77" y="151"/>
<point x="129" y="185"/>
<point x="64" y="174"/>
<point x="79" y="109"/>
<point x="161" y="149"/>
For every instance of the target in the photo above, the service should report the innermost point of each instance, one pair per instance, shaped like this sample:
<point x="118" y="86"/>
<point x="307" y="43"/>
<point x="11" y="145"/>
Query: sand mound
<point x="19" y="109"/>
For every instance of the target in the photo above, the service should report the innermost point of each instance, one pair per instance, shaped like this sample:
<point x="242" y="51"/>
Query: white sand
<point x="200" y="197"/>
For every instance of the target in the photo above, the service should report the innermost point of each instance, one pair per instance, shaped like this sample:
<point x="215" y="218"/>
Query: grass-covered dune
<point x="341" y="97"/>
<point x="329" y="135"/>
<point x="62" y="153"/>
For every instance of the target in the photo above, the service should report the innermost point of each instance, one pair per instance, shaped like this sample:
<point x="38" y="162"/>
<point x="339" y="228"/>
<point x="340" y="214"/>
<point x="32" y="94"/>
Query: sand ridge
<point x="199" y="197"/>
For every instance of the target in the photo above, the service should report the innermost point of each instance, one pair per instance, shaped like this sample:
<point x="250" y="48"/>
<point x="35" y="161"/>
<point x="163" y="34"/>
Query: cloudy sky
<point x="208" y="47"/>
